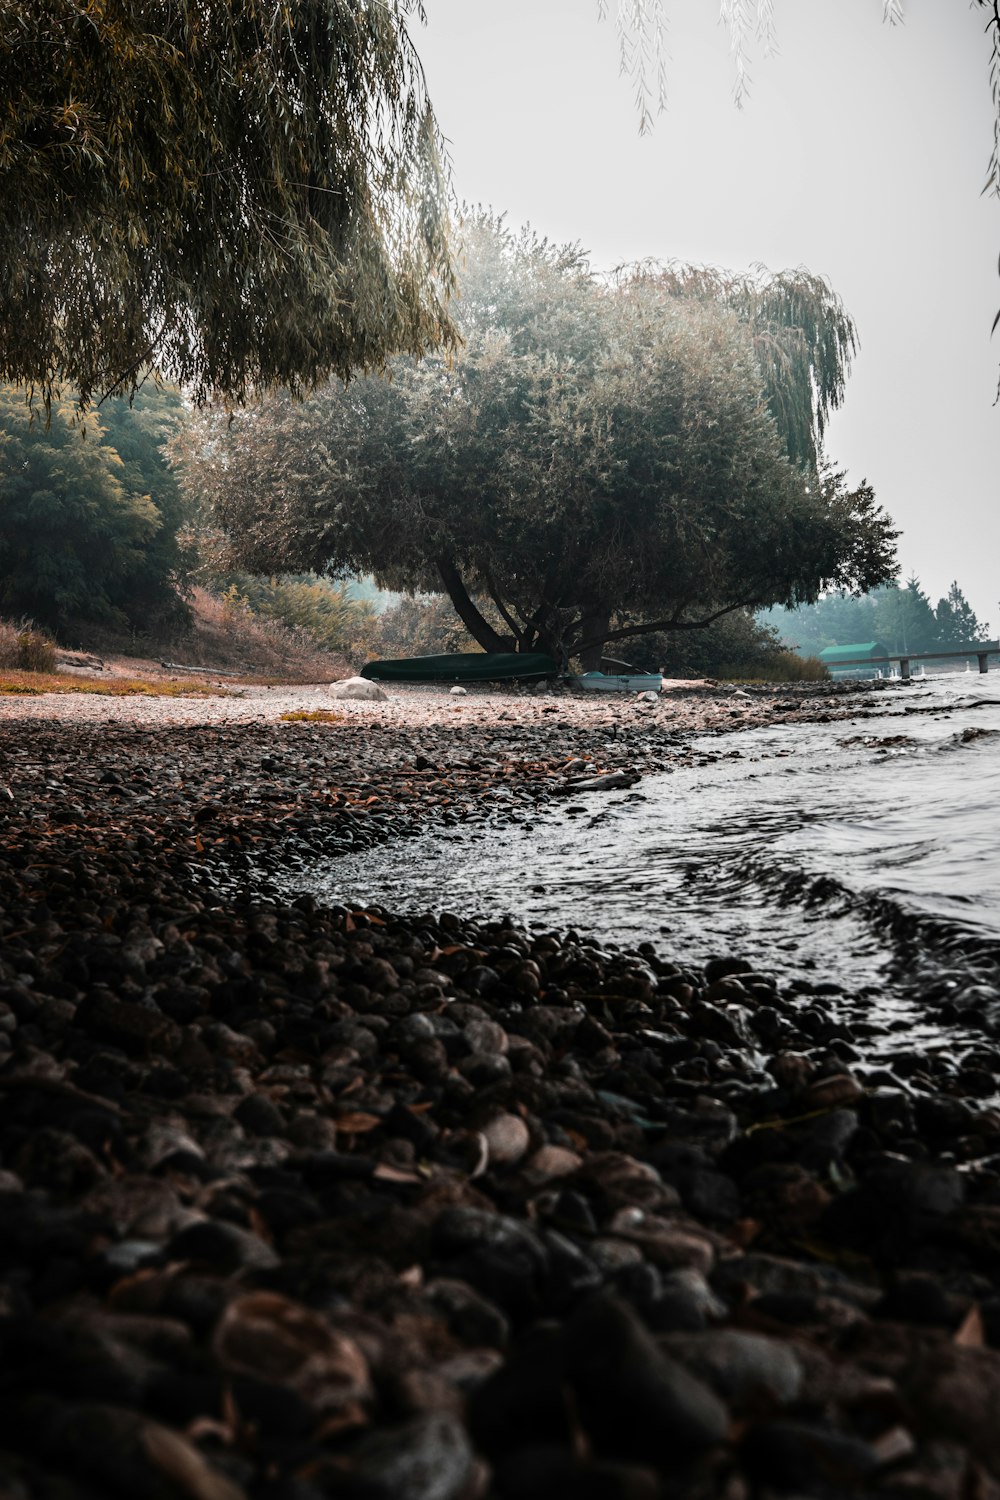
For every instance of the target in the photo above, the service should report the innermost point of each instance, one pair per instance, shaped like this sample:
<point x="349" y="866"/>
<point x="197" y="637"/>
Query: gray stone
<point x="748" y="1370"/>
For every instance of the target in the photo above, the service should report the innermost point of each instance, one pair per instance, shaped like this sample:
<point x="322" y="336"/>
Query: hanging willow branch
<point x="802" y="334"/>
<point x="243" y="192"/>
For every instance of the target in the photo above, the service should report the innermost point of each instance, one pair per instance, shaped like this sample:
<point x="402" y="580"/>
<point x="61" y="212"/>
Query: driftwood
<point x="177" y="666"/>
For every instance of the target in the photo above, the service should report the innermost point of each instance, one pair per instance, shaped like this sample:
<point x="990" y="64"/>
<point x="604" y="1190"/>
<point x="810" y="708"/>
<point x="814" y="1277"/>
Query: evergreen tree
<point x="901" y="619"/>
<point x="905" y="620"/>
<point x="956" y="620"/>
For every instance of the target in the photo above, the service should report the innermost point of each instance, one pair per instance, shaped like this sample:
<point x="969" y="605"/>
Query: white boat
<point x="630" y="682"/>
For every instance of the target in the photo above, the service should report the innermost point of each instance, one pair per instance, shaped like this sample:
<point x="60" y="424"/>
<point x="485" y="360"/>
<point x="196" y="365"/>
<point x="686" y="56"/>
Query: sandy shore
<point x="681" y="707"/>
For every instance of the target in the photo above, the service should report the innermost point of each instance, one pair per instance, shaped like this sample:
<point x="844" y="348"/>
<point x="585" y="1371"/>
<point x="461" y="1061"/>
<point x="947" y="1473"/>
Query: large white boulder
<point x="358" y="687"/>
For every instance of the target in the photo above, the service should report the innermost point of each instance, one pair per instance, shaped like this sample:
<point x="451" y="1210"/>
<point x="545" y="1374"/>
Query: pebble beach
<point x="301" y="1201"/>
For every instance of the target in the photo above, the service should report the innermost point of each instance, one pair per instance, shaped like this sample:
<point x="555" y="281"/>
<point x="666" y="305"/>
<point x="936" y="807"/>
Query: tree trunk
<point x="593" y="629"/>
<point x="475" y="623"/>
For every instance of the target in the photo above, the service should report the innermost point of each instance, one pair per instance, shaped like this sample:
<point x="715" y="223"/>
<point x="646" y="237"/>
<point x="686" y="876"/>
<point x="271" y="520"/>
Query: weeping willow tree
<point x="242" y="193"/>
<point x="802" y="335"/>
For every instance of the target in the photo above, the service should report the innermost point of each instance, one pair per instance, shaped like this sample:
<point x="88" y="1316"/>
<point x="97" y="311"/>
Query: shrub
<point x="782" y="666"/>
<point x="737" y="645"/>
<point x="320" y="610"/>
<point x="421" y="625"/>
<point x="10" y="650"/>
<point x="35" y="651"/>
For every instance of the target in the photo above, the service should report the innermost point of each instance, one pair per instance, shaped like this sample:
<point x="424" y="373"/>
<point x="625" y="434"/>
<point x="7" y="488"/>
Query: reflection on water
<point x="867" y="854"/>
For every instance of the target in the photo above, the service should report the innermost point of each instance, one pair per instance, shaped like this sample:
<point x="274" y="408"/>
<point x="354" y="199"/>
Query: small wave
<point x="972" y="735"/>
<point x="914" y="934"/>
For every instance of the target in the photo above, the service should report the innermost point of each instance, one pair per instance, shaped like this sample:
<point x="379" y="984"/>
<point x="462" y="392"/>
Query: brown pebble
<point x="551" y="1161"/>
<point x="825" y="1093"/>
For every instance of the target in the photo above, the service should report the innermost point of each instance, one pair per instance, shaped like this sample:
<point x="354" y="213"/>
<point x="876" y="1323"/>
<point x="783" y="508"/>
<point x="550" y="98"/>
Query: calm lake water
<point x="863" y="853"/>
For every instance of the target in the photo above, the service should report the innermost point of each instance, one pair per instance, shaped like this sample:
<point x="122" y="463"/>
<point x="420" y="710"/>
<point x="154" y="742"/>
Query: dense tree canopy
<point x="88" y="518"/>
<point x="597" y="462"/>
<point x="240" y="192"/>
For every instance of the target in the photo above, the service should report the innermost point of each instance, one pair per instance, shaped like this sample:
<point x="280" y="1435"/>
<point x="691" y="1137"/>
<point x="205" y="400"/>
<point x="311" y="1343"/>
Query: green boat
<point x="468" y="666"/>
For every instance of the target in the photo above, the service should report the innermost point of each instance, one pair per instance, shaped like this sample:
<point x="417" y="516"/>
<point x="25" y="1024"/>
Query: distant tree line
<point x="901" y="619"/>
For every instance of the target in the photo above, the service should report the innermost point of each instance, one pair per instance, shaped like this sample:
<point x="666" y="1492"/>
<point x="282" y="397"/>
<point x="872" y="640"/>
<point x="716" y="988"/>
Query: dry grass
<point x="312" y="716"/>
<point x="226" y="639"/>
<point x="784" y="666"/>
<point x="9" y="649"/>
<point x="32" y="683"/>
<point x="25" y="648"/>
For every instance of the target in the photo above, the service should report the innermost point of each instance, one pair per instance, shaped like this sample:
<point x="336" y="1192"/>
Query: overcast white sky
<point x="860" y="154"/>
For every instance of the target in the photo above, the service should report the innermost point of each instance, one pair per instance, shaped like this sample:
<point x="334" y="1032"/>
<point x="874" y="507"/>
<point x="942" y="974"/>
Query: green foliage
<point x="420" y="625"/>
<point x="238" y="194"/>
<point x="592" y="451"/>
<point x="85" y="533"/>
<point x="138" y="432"/>
<point x="738" y="644"/>
<point x="905" y="619"/>
<point x="956" y="619"/>
<point x="326" y="611"/>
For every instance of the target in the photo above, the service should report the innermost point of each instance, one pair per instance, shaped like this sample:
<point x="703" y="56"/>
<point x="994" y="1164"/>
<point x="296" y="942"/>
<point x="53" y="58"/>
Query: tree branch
<point x="494" y="594"/>
<point x="474" y="621"/>
<point x="669" y="624"/>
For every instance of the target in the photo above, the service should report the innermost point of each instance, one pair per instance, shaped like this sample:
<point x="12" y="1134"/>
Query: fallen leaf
<point x="345" y="1420"/>
<point x="970" y="1333"/>
<point x="357" y="1123"/>
<point x="744" y="1232"/>
<point x="386" y="1172"/>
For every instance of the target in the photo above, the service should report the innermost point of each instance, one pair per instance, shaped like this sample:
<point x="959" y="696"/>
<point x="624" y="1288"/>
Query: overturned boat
<point x="467" y="666"/>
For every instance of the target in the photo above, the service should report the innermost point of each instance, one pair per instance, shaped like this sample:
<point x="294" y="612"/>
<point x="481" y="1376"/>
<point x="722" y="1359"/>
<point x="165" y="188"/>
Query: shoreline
<point x="304" y="1201"/>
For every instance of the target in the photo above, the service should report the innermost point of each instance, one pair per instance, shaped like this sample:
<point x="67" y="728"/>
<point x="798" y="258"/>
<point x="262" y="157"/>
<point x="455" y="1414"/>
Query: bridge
<point x="982" y="650"/>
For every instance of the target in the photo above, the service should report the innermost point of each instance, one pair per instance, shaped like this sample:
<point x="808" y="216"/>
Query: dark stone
<point x="553" y="1473"/>
<point x="723" y="967"/>
<point x="470" y="1318"/>
<point x="524" y="1403"/>
<point x="918" y="1298"/>
<point x="428" y="1458"/>
<point x="223" y="1246"/>
<point x="498" y="1255"/>
<point x="894" y="1207"/>
<point x="802" y="1456"/>
<point x="259" y="1115"/>
<point x="570" y="1273"/>
<point x="825" y="1140"/>
<point x="634" y="1402"/>
<point x="749" y="1371"/>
